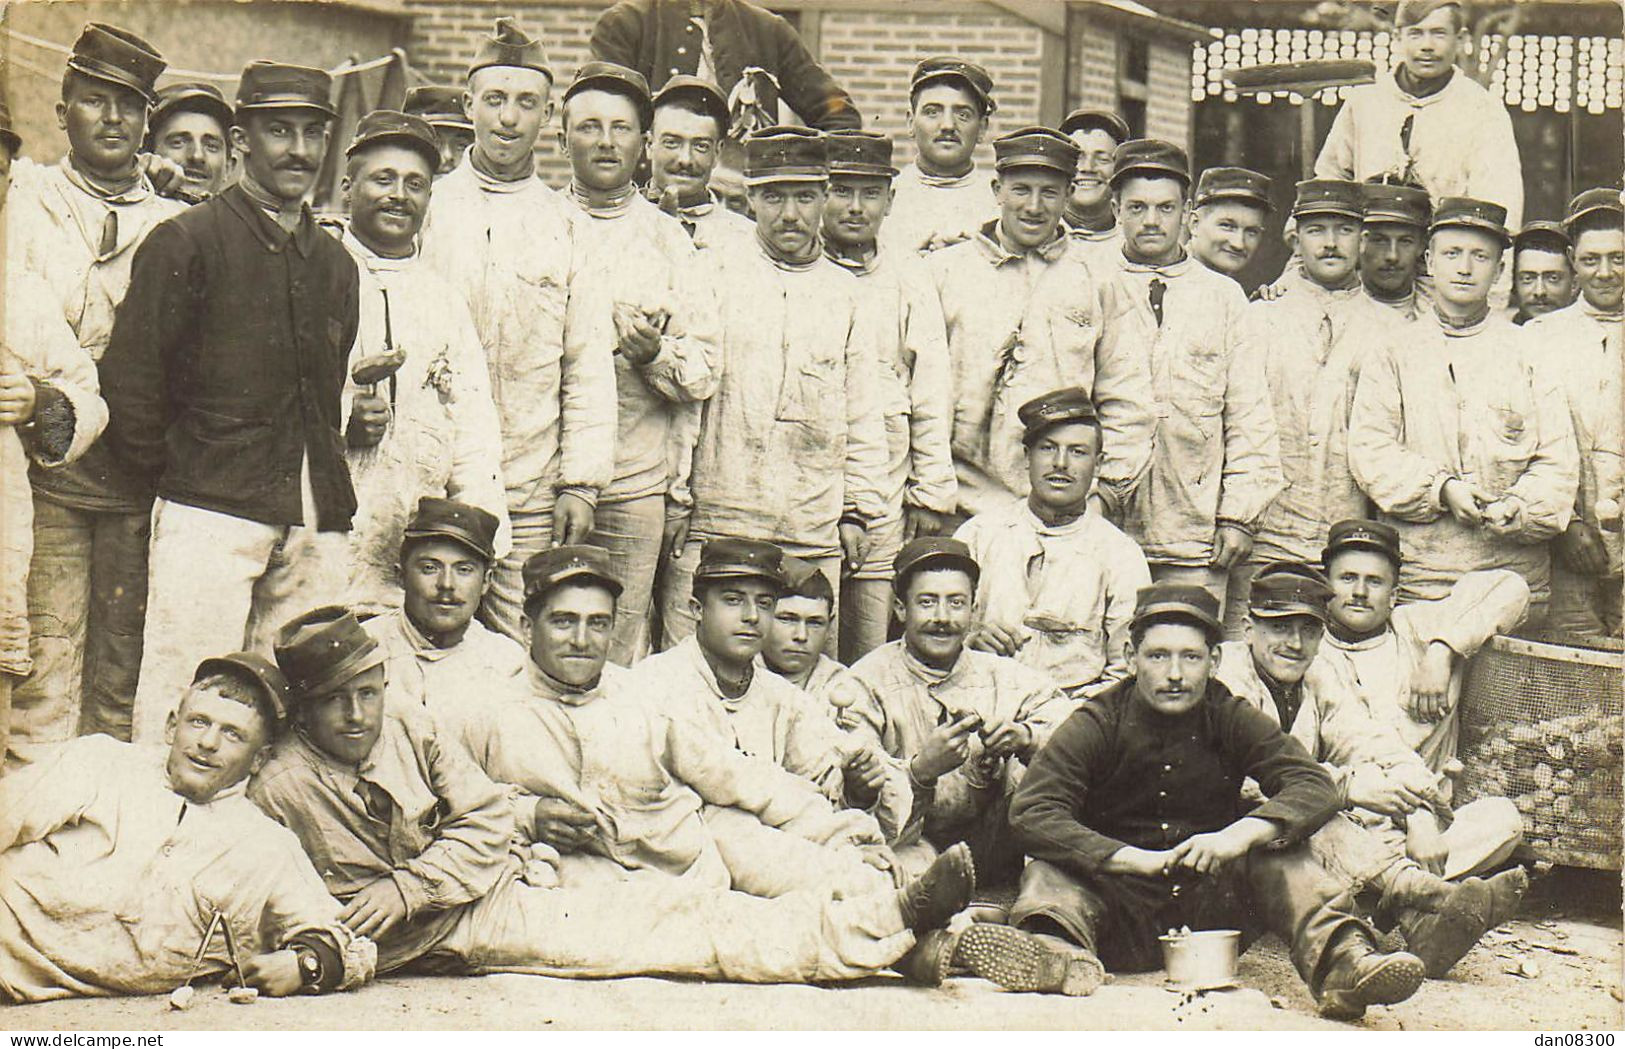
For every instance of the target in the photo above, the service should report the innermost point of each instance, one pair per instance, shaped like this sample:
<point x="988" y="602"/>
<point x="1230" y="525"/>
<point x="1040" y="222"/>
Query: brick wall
<point x="1092" y="64"/>
<point x="1168" y="107"/>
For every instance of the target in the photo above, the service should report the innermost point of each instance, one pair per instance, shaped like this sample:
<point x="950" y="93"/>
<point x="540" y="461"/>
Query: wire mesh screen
<point x="1541" y="724"/>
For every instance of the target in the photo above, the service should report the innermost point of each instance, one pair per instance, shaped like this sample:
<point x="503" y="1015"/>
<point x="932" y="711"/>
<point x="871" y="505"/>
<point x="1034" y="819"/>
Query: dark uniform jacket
<point x="656" y="38"/>
<point x="1117" y="773"/>
<point x="227" y="361"/>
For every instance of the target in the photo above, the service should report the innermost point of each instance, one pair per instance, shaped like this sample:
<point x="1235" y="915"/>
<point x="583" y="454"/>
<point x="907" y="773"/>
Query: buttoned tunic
<point x="508" y="247"/>
<point x="1314" y="342"/>
<point x="1380" y="669"/>
<point x="929" y="212"/>
<point x="1582" y="345"/>
<point x="443" y="439"/>
<point x="646" y="260"/>
<point x="1217" y="457"/>
<point x="1023" y="324"/>
<point x="109" y="879"/>
<point x="1460" y="142"/>
<point x="793" y="438"/>
<point x="476" y="670"/>
<point x="1066" y="590"/>
<point x="1474" y="403"/>
<point x="415" y="811"/>
<point x="905" y="700"/>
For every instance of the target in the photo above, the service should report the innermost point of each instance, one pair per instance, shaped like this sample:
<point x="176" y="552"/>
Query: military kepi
<point x="440" y="106"/>
<point x="190" y="98"/>
<point x="1071" y="404"/>
<point x="786" y="154"/>
<point x="1467" y="213"/>
<point x="510" y="45"/>
<point x="617" y="80"/>
<point x="1088" y="119"/>
<point x="275" y="85"/>
<point x="1360" y="534"/>
<point x="932" y="551"/>
<point x="1241" y="185"/>
<point x="728" y="558"/>
<point x="1150" y="157"/>
<point x="1329" y="196"/>
<point x="1591" y="201"/>
<point x="324" y="648"/>
<point x="258" y="670"/>
<point x="707" y="95"/>
<point x="947" y="67"/>
<point x="1178" y="601"/>
<point x="860" y="153"/>
<point x="1550" y="235"/>
<point x="117" y="56"/>
<point x="547" y="570"/>
<point x="1289" y="588"/>
<point x="470" y="526"/>
<point x="1036" y="147"/>
<point x="391" y="127"/>
<point x="1405" y="205"/>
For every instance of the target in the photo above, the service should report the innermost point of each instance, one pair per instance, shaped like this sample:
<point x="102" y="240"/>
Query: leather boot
<point x="1506" y="893"/>
<point x="1414" y="888"/>
<point x="1442" y="936"/>
<point x="941" y="892"/>
<point x="1021" y="961"/>
<point x="928" y="961"/>
<point x="1359" y="975"/>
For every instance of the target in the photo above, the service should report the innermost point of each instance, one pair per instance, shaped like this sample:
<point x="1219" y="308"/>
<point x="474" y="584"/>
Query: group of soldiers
<point x="1017" y="590"/>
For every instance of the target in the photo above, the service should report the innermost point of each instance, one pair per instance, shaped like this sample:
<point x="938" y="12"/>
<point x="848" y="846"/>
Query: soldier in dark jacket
<point x="1134" y="819"/>
<point x="719" y="41"/>
<point x="229" y="358"/>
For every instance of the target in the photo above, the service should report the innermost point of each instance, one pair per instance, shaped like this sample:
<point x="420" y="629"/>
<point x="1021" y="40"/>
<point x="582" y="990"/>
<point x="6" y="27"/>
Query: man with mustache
<point x="430" y="427"/>
<point x="1230" y="210"/>
<point x="438" y="654"/>
<point x="1408" y="663"/>
<point x="913" y="374"/>
<point x="1542" y="276"/>
<point x="498" y="234"/>
<point x="189" y="127"/>
<point x="964" y="722"/>
<point x="442" y="108"/>
<point x="224" y="378"/>
<point x="1216" y="461"/>
<point x="1058" y="581"/>
<point x="1131" y="815"/>
<point x="1393" y="235"/>
<point x="77" y="225"/>
<point x="1314" y="342"/>
<point x="791" y="449"/>
<point x="115" y="860"/>
<point x="1089" y="216"/>
<point x="1461" y="433"/>
<point x="686" y="138"/>
<point x="1582" y="342"/>
<point x="941" y="199"/>
<point x="1025" y="315"/>
<point x="1388" y="835"/>
<point x="1426" y="122"/>
<point x="663" y="316"/>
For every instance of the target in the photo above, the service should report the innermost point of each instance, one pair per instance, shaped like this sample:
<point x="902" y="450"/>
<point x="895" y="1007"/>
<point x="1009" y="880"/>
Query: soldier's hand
<point x="854" y="544"/>
<point x="369" y="419"/>
<point x="1430" y="685"/>
<point x="1580" y="547"/>
<point x="563" y="824"/>
<point x="275" y="975"/>
<point x="1000" y="640"/>
<point x="166" y="176"/>
<point x="17" y="399"/>
<point x="945" y="749"/>
<point x="572" y="519"/>
<point x="1231" y="545"/>
<point x="1424" y="843"/>
<point x="1147" y="863"/>
<point x="1004" y="739"/>
<point x="1270" y="292"/>
<point x="638" y="338"/>
<point x="918" y="521"/>
<point x="1372" y="788"/>
<point x="1504" y="517"/>
<point x="674" y="536"/>
<point x="881" y="858"/>
<point x="865" y="770"/>
<point x="1465" y="501"/>
<point x="375" y="909"/>
<point x="1206" y="853"/>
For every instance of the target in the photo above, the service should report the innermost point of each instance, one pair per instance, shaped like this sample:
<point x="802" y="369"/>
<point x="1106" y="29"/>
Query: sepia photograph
<point x="808" y="515"/>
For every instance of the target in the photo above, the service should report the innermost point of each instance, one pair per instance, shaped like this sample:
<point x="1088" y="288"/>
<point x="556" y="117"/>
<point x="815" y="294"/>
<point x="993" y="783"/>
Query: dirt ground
<point x="1558" y="967"/>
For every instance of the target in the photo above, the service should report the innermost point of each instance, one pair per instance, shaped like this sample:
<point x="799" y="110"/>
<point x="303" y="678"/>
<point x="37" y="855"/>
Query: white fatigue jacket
<point x="1333" y="723"/>
<point x="1021" y="325"/>
<point x="444" y="438"/>
<point x="644" y="259"/>
<point x="1461" y="142"/>
<point x="1582" y="345"/>
<point x="1217" y="458"/>
<point x="1475" y="403"/>
<point x="508" y="247"/>
<point x="833" y="685"/>
<point x="1067" y="591"/>
<point x="477" y="670"/>
<point x="643" y="772"/>
<point x="714" y="225"/>
<point x="1379" y="670"/>
<point x="38" y="344"/>
<point x="1314" y="341"/>
<point x="929" y="212"/>
<point x="1097" y="247"/>
<point x="905" y="700"/>
<point x="109" y="879"/>
<point x="915" y="396"/>
<point x="774" y="720"/>
<point x="793" y="439"/>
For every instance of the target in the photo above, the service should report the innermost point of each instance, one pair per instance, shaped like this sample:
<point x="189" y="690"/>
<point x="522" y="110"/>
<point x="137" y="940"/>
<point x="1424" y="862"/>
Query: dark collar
<point x="265" y="228"/>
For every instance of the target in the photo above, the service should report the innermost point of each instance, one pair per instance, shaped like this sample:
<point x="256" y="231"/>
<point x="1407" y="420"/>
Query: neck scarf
<point x="1463" y="328"/>
<point x="945" y="181"/>
<point x="862" y="265"/>
<point x="1416" y="88"/>
<point x="790" y="263"/>
<point x="131" y="189"/>
<point x="618" y="203"/>
<point x="491" y="181"/>
<point x="553" y="688"/>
